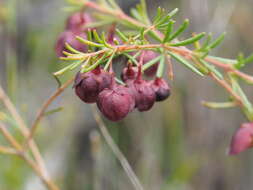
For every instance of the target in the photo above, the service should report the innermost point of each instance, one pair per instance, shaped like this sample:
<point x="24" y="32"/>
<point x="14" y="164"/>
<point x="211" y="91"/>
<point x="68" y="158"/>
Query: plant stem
<point x="38" y="166"/>
<point x="123" y="161"/>
<point x="23" y="128"/>
<point x="18" y="151"/>
<point x="44" y="107"/>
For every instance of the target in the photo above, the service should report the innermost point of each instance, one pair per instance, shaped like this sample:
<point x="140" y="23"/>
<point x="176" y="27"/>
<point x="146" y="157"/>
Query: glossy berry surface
<point x="143" y="93"/>
<point x="89" y="85"/>
<point x="115" y="103"/>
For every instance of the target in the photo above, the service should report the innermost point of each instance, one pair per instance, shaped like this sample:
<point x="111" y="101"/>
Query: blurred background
<point x="178" y="145"/>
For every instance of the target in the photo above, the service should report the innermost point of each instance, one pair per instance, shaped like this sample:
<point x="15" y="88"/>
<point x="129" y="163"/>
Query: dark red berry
<point x="161" y="88"/>
<point x="115" y="103"/>
<point x="70" y="38"/>
<point x="142" y="92"/>
<point x="89" y="85"/>
<point x="129" y="73"/>
<point x="148" y="56"/>
<point x="77" y="21"/>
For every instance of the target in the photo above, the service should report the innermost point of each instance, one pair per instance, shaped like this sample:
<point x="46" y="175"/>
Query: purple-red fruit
<point x="161" y="88"/>
<point x="70" y="38"/>
<point x="148" y="56"/>
<point x="89" y="85"/>
<point x="242" y="139"/>
<point x="115" y="103"/>
<point x="129" y="73"/>
<point x="143" y="93"/>
<point x="77" y="21"/>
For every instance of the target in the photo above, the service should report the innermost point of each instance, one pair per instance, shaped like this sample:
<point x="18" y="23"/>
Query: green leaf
<point x="50" y="112"/>
<point x="216" y="42"/>
<point x="131" y="58"/>
<point x="87" y="42"/>
<point x="94" y="65"/>
<point x="211" y="68"/>
<point x="143" y="10"/>
<point x="181" y="29"/>
<point x="104" y="41"/>
<point x="168" y="31"/>
<point x="97" y="38"/>
<point x="167" y="17"/>
<point x="121" y="35"/>
<point x="219" y="105"/>
<point x="224" y="60"/>
<point x="79" y="62"/>
<point x="85" y="64"/>
<point x="109" y="61"/>
<point x="136" y="14"/>
<point x="239" y="91"/>
<point x="114" y="4"/>
<point x="60" y="72"/>
<point x="150" y="63"/>
<point x="248" y="59"/>
<point x="155" y="36"/>
<point x="158" y="15"/>
<point x="185" y="63"/>
<point x="72" y="49"/>
<point x="160" y="69"/>
<point x="189" y="40"/>
<point x="206" y="42"/>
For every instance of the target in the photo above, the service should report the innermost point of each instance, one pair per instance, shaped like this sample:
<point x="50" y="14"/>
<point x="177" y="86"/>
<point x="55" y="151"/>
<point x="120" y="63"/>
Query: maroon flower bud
<point x="129" y="73"/>
<point x="242" y="139"/>
<point x="115" y="103"/>
<point x="76" y="21"/>
<point x="70" y="38"/>
<point x="148" y="56"/>
<point x="142" y="92"/>
<point x="89" y="85"/>
<point x="161" y="88"/>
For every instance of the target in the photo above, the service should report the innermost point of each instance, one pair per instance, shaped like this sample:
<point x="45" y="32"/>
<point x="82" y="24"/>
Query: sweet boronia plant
<point x="151" y="44"/>
<point x="94" y="44"/>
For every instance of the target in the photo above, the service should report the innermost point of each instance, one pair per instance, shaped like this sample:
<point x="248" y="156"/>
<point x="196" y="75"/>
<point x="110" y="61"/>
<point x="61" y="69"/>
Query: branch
<point x="44" y="107"/>
<point x="18" y="151"/>
<point x="22" y="127"/>
<point x="119" y="155"/>
<point x="40" y="169"/>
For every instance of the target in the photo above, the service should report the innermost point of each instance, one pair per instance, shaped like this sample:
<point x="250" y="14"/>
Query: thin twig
<point x="19" y="151"/>
<point x="8" y="136"/>
<point x="7" y="150"/>
<point x="44" y="108"/>
<point x="224" y="84"/>
<point x="126" y="166"/>
<point x="23" y="128"/>
<point x="40" y="168"/>
<point x="49" y="184"/>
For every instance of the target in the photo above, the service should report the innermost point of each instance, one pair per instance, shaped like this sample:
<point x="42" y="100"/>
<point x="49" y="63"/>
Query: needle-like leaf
<point x="185" y="63"/>
<point x="189" y="40"/>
